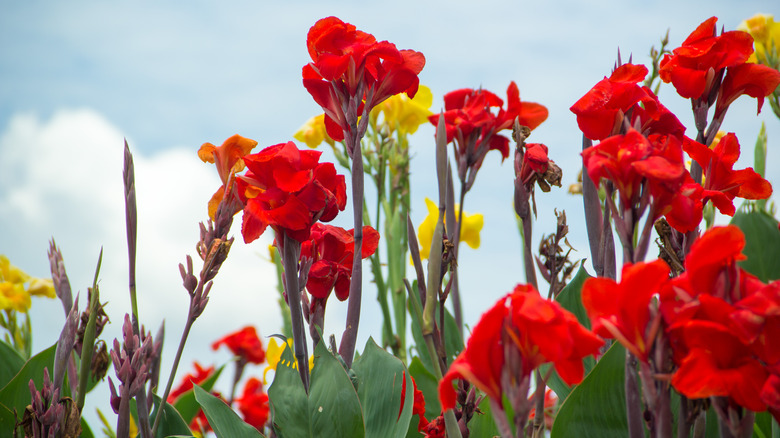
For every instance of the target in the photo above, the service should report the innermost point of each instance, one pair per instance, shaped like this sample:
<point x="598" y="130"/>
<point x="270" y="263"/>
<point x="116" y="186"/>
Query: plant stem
<point x="633" y="413"/>
<point x="176" y="360"/>
<point x="292" y="251"/>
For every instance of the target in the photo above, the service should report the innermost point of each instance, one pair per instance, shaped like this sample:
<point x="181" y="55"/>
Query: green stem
<point x="172" y="376"/>
<point x="87" y="348"/>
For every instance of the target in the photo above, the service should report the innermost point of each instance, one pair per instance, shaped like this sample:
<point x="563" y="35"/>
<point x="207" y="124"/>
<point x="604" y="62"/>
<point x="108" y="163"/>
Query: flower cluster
<point x="349" y="65"/>
<point x="289" y="190"/>
<point x="16" y="287"/>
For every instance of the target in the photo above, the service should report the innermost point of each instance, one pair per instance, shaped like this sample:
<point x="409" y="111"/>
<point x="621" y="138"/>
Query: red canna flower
<point x="770" y="393"/>
<point x="289" y="189"/>
<point x="538" y="330"/>
<point x="349" y="65"/>
<point x="755" y="80"/>
<point x="244" y="343"/>
<point x="622" y="310"/>
<point x="201" y="374"/>
<point x="721" y="182"/>
<point x="600" y="112"/>
<point x="694" y="67"/>
<point x="253" y="404"/>
<point x="718" y="364"/>
<point x="332" y="250"/>
<point x="419" y="404"/>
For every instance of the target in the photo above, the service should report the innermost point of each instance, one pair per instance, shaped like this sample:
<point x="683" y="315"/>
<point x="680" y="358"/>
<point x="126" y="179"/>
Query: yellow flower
<point x="273" y="356"/>
<point x="404" y="114"/>
<point x="313" y="132"/>
<point x="766" y="36"/>
<point x="15" y="291"/>
<point x="469" y="232"/>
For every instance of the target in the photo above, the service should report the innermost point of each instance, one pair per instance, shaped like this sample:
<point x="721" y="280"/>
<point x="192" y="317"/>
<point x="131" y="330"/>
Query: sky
<point x="77" y="78"/>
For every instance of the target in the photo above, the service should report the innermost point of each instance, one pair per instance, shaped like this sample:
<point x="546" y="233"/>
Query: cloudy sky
<point x="78" y="77"/>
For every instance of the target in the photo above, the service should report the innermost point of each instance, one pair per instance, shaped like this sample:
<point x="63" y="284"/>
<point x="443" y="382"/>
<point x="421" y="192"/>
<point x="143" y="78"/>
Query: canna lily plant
<point x="682" y="344"/>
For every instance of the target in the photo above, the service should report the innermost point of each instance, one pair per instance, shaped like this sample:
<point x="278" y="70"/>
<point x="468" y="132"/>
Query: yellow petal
<point x="313" y="132"/>
<point x="42" y="287"/>
<point x="14" y="297"/>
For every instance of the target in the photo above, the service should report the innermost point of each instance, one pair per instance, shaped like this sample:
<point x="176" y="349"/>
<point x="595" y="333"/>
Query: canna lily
<point x="469" y="231"/>
<point x="721" y="182"/>
<point x="766" y="37"/>
<point x="288" y="189"/>
<point x="622" y="310"/>
<point x="332" y="250"/>
<point x="228" y="158"/>
<point x="253" y="404"/>
<point x="16" y="287"/>
<point x="313" y="132"/>
<point x="245" y="344"/>
<point x="524" y="324"/>
<point x="600" y="112"/>
<point x="694" y="67"/>
<point x="274" y="357"/>
<point x="349" y="65"/>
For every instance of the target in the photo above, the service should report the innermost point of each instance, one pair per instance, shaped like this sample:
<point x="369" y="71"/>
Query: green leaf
<point x="427" y="383"/>
<point x="86" y="432"/>
<point x="10" y="363"/>
<point x="288" y="400"/>
<point x="222" y="419"/>
<point x="186" y="404"/>
<point x="380" y="379"/>
<point x="334" y="407"/>
<point x="762" y="246"/>
<point x="16" y="393"/>
<point x="759" y="164"/>
<point x="596" y="407"/>
<point x="453" y="343"/>
<point x="570" y="299"/>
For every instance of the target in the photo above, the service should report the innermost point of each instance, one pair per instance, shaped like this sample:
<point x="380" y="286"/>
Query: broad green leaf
<point x="763" y="424"/>
<point x="86" y="431"/>
<point x="16" y="393"/>
<point x="334" y="407"/>
<point x="482" y="424"/>
<point x="596" y="407"/>
<point x="570" y="299"/>
<point x="380" y="380"/>
<point x="427" y="383"/>
<point x="288" y="400"/>
<point x="762" y="246"/>
<point x="187" y="405"/>
<point x="10" y="363"/>
<point x="222" y="419"/>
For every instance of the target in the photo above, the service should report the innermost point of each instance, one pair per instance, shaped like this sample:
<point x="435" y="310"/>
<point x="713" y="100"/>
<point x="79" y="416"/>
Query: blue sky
<point x="76" y="77"/>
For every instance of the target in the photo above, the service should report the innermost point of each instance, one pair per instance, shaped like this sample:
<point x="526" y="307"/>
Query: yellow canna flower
<point x="14" y="297"/>
<point x="766" y="36"/>
<point x="273" y="356"/>
<point x="313" y="132"/>
<point x="469" y="232"/>
<point x="16" y="287"/>
<point x="403" y="114"/>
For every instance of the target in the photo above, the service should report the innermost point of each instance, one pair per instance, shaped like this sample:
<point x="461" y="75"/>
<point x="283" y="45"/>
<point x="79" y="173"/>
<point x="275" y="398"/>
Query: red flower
<point x="539" y="330"/>
<point x="228" y="158"/>
<point x="601" y="110"/>
<point x="349" y="65"/>
<point x="244" y="343"/>
<point x="201" y="374"/>
<point x="718" y="364"/>
<point x="770" y="393"/>
<point x="755" y="80"/>
<point x="419" y="404"/>
<point x="289" y="189"/>
<point x="721" y="182"/>
<point x="332" y="249"/>
<point x="473" y="119"/>
<point x="253" y="404"/>
<point x="698" y="62"/>
<point x="622" y="310"/>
